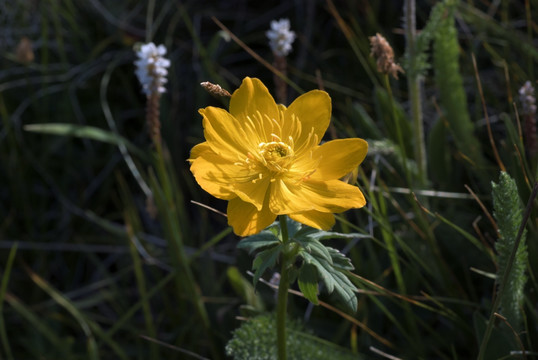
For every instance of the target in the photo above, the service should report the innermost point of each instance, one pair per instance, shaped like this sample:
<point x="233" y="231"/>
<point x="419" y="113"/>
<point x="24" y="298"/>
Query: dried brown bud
<point x="215" y="89"/>
<point x="382" y="52"/>
<point x="24" y="52"/>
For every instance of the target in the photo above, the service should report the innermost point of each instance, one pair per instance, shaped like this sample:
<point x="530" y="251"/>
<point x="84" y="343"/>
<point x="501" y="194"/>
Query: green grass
<point x="92" y="266"/>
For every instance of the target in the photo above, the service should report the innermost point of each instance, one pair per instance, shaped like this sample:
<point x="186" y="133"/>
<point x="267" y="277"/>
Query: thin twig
<point x="209" y="208"/>
<point x="110" y="121"/>
<point x="178" y="349"/>
<point x="335" y="310"/>
<point x="428" y="193"/>
<point x="384" y="354"/>
<point x="490" y="134"/>
<point x="505" y="320"/>
<point x="256" y="56"/>
<point x="483" y="207"/>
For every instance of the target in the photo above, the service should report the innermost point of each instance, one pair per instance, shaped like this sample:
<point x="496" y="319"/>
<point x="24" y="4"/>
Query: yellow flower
<point x="265" y="159"/>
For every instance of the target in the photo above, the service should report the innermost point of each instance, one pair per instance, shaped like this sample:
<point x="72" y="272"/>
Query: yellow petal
<point x="315" y="219"/>
<point x="252" y="191"/>
<point x="332" y="196"/>
<point x="197" y="150"/>
<point x="216" y="175"/>
<point x="252" y="97"/>
<point x="287" y="198"/>
<point x="246" y="219"/>
<point x="339" y="157"/>
<point x="313" y="110"/>
<point x="225" y="135"/>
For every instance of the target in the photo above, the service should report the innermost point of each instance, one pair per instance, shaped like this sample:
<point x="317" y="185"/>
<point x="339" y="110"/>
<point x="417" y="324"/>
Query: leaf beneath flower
<point x="261" y="240"/>
<point x="335" y="281"/>
<point x="308" y="282"/>
<point x="264" y="260"/>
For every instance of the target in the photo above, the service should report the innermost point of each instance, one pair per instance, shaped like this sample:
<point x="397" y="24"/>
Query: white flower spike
<point x="151" y="68"/>
<point x="528" y="99"/>
<point x="280" y="37"/>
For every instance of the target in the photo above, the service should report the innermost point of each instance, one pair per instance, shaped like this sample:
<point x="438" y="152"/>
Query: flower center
<point x="275" y="155"/>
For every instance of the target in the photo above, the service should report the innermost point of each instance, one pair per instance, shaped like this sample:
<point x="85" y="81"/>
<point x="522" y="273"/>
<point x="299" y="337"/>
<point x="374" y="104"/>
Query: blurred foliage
<point x="254" y="340"/>
<point x="508" y="213"/>
<point x="94" y="260"/>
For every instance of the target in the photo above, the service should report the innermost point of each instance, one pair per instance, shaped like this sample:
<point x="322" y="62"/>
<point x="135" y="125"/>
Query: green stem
<point x="413" y="84"/>
<point x="398" y="130"/>
<point x="3" y="290"/>
<point x="149" y="20"/>
<point x="282" y="302"/>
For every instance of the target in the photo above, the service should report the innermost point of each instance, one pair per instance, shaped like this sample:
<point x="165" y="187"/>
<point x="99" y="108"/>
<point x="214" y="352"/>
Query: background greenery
<point x="89" y="268"/>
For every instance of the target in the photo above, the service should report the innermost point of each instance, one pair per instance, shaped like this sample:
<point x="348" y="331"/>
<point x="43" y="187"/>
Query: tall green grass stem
<point x="388" y="237"/>
<point x="132" y="226"/>
<point x="181" y="259"/>
<point x="528" y="16"/>
<point x="110" y="121"/>
<point x="502" y="284"/>
<point x="398" y="129"/>
<point x="415" y="96"/>
<point x="282" y="302"/>
<point x="3" y="288"/>
<point x="177" y="230"/>
<point x="353" y="40"/>
<point x="92" y="349"/>
<point x="149" y="20"/>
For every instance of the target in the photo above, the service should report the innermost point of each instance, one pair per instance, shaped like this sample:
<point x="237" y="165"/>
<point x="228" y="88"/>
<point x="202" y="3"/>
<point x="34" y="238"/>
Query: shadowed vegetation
<point x="104" y="245"/>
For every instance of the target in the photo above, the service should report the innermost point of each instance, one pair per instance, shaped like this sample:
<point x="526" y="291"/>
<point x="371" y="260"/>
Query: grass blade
<point x="3" y="288"/>
<point x="87" y="132"/>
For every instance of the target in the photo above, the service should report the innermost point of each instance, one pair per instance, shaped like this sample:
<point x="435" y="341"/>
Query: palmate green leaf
<point x="308" y="282"/>
<point x="321" y="263"/>
<point x="339" y="260"/>
<point x="335" y="281"/>
<point x="259" y="241"/>
<point x="326" y="264"/>
<point x="265" y="260"/>
<point x="293" y="227"/>
<point x="315" y="248"/>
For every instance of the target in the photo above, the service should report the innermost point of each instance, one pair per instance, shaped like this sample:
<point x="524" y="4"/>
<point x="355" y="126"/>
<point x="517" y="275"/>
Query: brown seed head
<point x="382" y="52"/>
<point x="215" y="89"/>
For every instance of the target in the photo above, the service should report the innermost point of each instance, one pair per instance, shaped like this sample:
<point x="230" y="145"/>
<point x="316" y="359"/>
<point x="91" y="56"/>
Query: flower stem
<point x="152" y="117"/>
<point x="280" y="63"/>
<point x="282" y="302"/>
